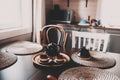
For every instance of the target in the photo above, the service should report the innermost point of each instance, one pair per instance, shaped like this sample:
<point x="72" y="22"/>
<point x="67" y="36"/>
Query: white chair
<point x="92" y="41"/>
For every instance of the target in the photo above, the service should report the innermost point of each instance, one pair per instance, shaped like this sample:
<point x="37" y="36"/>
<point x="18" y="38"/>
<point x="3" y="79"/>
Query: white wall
<point x="109" y="12"/>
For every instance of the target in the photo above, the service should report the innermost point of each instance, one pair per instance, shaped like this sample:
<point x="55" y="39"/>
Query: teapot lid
<point x="52" y="44"/>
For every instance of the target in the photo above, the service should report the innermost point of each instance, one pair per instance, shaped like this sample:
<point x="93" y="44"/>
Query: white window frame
<point x="26" y="7"/>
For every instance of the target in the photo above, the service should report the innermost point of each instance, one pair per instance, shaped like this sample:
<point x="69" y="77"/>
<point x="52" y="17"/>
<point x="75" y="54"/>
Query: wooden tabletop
<point x="25" y="69"/>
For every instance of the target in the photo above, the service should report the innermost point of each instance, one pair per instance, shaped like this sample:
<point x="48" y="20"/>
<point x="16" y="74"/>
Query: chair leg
<point x="50" y="77"/>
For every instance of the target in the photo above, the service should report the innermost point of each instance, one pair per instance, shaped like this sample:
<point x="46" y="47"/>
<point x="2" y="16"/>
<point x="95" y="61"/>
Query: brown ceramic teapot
<point x="84" y="53"/>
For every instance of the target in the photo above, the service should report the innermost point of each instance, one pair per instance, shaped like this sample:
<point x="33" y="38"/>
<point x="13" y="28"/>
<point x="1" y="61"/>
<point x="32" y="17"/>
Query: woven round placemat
<point x="22" y="48"/>
<point x="6" y="60"/>
<point x="86" y="73"/>
<point x="98" y="59"/>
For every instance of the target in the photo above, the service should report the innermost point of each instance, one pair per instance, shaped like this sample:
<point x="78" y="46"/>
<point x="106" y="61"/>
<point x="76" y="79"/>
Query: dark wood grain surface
<point x="25" y="69"/>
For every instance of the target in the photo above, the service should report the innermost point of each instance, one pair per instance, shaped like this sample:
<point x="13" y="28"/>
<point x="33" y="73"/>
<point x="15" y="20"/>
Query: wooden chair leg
<point x="51" y="77"/>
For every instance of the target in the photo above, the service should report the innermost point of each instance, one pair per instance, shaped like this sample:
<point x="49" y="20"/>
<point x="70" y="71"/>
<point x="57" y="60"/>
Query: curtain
<point x="38" y="10"/>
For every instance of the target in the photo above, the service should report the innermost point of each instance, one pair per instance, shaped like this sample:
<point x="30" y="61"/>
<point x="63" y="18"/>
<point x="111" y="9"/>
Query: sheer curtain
<point x="38" y="18"/>
<point x="15" y="18"/>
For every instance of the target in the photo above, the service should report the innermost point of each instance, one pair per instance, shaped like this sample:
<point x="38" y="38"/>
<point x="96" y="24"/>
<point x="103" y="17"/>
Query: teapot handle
<point x="59" y="48"/>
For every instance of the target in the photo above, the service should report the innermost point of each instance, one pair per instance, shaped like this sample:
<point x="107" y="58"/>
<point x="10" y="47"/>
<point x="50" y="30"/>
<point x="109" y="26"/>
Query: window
<point x="110" y="13"/>
<point x="15" y="18"/>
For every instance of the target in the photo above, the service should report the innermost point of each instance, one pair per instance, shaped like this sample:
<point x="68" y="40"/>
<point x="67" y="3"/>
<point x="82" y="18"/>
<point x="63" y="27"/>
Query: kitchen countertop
<point x="91" y="27"/>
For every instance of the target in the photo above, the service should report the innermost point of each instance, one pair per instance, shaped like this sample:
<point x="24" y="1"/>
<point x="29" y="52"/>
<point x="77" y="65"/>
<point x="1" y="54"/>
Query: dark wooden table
<point x="25" y="69"/>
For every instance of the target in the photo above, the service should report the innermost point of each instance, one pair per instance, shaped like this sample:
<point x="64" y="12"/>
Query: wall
<point x="78" y="6"/>
<point x="109" y="13"/>
<point x="48" y="6"/>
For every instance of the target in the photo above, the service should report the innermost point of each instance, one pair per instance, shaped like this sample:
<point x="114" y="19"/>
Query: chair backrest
<point x="92" y="41"/>
<point x="53" y="33"/>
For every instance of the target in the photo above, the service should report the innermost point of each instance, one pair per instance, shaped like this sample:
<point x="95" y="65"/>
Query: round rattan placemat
<point x="6" y="60"/>
<point x="86" y="73"/>
<point x="98" y="59"/>
<point x="22" y="48"/>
